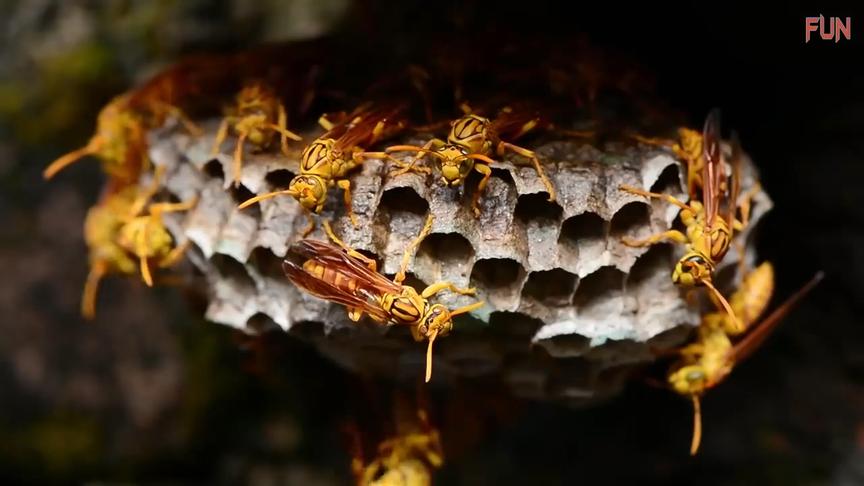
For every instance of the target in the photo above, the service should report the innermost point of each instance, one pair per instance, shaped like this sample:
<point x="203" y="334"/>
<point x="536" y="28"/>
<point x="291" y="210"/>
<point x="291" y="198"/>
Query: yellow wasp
<point x="708" y="361"/>
<point x="120" y="142"/>
<point x="328" y="159"/>
<point x="406" y="458"/>
<point x="257" y="116"/>
<point x="342" y="275"/>
<point x="707" y="236"/>
<point x="122" y="228"/>
<point x="471" y="143"/>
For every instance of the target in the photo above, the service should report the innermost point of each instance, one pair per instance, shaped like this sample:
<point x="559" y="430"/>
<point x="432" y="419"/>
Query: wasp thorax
<point x="310" y="191"/>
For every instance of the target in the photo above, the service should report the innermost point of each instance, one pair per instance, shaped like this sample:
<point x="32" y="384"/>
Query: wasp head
<point x="310" y="191"/>
<point x="455" y="164"/>
<point x="437" y="321"/>
<point x="692" y="269"/>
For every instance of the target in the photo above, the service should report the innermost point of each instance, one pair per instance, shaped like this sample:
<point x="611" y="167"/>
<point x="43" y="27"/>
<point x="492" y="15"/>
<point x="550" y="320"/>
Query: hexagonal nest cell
<point x="568" y="308"/>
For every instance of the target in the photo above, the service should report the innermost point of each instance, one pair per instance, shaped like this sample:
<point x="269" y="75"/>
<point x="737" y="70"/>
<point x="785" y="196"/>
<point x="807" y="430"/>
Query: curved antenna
<point x="723" y="302"/>
<point x="64" y="161"/>
<point x="429" y="355"/>
<point x="697" y="425"/>
<point x="253" y="200"/>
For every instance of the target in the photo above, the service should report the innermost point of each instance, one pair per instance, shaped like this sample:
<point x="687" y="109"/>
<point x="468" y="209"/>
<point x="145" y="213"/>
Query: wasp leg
<point x="325" y="123"/>
<point x="345" y="185"/>
<point x="467" y="308"/>
<point x="486" y="171"/>
<point x="355" y="314"/>
<point x="310" y="225"/>
<point x="673" y="235"/>
<point x="745" y="205"/>
<point x="184" y="120"/>
<point x="221" y="135"/>
<point x="411" y="248"/>
<point x="237" y="166"/>
<point x="429" y="147"/>
<point x="656" y="195"/>
<point x="175" y="255"/>
<point x="141" y="201"/>
<point x="352" y="252"/>
<point x="535" y="161"/>
<point x="284" y="133"/>
<point x="91" y="289"/>
<point x="444" y="285"/>
<point x="159" y="209"/>
<point x="657" y="142"/>
<point x="141" y="251"/>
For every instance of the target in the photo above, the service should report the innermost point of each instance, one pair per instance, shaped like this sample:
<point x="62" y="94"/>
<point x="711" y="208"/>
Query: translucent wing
<point x="327" y="291"/>
<point x="713" y="171"/>
<point x="368" y="124"/>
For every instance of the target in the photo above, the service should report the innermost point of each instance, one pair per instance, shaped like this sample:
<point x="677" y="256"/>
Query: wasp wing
<point x="369" y="124"/>
<point x="735" y="188"/>
<point x="750" y="343"/>
<point x="517" y="120"/>
<point x="370" y="285"/>
<point x="713" y="171"/>
<point x="327" y="291"/>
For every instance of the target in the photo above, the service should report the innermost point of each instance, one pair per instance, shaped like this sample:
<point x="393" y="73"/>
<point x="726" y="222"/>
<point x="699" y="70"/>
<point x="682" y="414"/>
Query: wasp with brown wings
<point x="708" y="235"/>
<point x="257" y="116"/>
<point x="327" y="160"/>
<point x="706" y="362"/>
<point x="344" y="276"/>
<point x="473" y="140"/>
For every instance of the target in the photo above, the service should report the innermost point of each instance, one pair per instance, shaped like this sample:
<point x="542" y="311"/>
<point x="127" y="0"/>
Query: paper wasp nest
<point x="569" y="308"/>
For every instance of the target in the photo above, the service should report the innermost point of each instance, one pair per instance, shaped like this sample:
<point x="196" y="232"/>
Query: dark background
<point x="150" y="393"/>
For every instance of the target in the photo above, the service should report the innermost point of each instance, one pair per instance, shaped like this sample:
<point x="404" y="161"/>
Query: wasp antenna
<point x="429" y="355"/>
<point x="723" y="302"/>
<point x="70" y="158"/>
<point x="245" y="204"/>
<point x="697" y="425"/>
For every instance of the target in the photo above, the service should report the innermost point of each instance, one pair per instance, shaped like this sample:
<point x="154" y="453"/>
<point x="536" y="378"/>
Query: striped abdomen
<point x="331" y="276"/>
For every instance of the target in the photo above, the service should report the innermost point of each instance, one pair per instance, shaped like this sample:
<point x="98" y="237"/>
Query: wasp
<point x="407" y="455"/>
<point x="327" y="160"/>
<point x="471" y="143"/>
<point x="125" y="234"/>
<point x="120" y="142"/>
<point x="710" y="359"/>
<point x="342" y="275"/>
<point x="257" y="116"/>
<point x="707" y="236"/>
